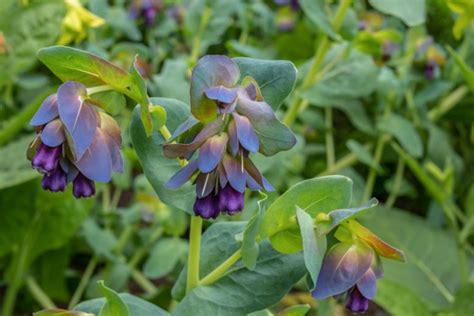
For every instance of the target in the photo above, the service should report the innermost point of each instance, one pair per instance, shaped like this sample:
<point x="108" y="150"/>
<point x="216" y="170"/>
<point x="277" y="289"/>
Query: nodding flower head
<point x="352" y="266"/>
<point x="225" y="133"/>
<point x="75" y="142"/>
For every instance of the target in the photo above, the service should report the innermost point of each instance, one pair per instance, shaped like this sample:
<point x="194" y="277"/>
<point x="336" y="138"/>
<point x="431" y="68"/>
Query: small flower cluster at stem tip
<point x="75" y="142"/>
<point x="352" y="266"/>
<point x="224" y="136"/>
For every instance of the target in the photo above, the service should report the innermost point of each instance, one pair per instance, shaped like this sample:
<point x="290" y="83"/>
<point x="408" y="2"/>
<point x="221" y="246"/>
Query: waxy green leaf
<point x="114" y="305"/>
<point x="276" y="78"/>
<point x="412" y="12"/>
<point x="250" y="247"/>
<point x="314" y="196"/>
<point x="159" y="169"/>
<point x="404" y="131"/>
<point x="315" y="10"/>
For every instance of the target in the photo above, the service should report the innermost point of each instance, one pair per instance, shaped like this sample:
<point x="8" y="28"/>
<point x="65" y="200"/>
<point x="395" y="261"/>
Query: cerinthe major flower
<point x="75" y="142"/>
<point x="224" y="135"/>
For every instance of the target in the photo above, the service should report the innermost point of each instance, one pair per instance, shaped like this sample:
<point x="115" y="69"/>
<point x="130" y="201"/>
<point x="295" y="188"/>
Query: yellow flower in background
<point x="465" y="9"/>
<point x="76" y="22"/>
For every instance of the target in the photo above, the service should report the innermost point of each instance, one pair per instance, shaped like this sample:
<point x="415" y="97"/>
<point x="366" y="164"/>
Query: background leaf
<point x="412" y="12"/>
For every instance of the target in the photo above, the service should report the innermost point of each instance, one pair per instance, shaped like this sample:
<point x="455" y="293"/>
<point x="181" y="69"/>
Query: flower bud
<point x="356" y="302"/>
<point x="83" y="187"/>
<point x="55" y="181"/>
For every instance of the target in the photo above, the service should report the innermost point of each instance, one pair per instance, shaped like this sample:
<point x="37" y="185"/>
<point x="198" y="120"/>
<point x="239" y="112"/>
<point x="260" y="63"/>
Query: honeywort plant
<point x="383" y="95"/>
<point x="231" y="119"/>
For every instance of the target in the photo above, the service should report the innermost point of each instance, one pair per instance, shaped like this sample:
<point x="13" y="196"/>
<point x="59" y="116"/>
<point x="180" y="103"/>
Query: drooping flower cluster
<point x="75" y="143"/>
<point x="353" y="265"/>
<point x="147" y="9"/>
<point x="287" y="14"/>
<point x="232" y="122"/>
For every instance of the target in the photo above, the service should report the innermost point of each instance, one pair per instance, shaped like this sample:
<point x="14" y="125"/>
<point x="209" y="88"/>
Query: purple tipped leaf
<point x="183" y="175"/>
<point x="211" y="71"/>
<point x="96" y="163"/>
<point x="367" y="285"/>
<point x="251" y="183"/>
<point x="110" y="127"/>
<point x="115" y="154"/>
<point x="274" y="136"/>
<point x="256" y="175"/>
<point x="205" y="184"/>
<point x="235" y="173"/>
<point x="245" y="132"/>
<point x="221" y="94"/>
<point x="47" y="112"/>
<point x="233" y="138"/>
<point x="78" y="117"/>
<point x="184" y="150"/>
<point x="211" y="152"/>
<point x="343" y="266"/>
<point x="53" y="134"/>
<point x="184" y="127"/>
<point x="222" y="176"/>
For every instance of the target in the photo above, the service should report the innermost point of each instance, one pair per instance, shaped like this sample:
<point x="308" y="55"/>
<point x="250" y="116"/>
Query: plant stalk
<point x="194" y="253"/>
<point x="37" y="292"/>
<point x="83" y="282"/>
<point x="218" y="272"/>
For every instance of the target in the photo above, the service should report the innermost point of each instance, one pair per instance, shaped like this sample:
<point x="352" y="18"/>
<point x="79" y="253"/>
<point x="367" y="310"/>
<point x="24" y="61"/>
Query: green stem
<point x="369" y="186"/>
<point x="99" y="89"/>
<point x="330" y="152"/>
<point x="318" y="60"/>
<point x="218" y="272"/>
<point x="39" y="295"/>
<point x="144" y="283"/>
<point x="194" y="253"/>
<point x="396" y="184"/>
<point x="11" y="127"/>
<point x="205" y="17"/>
<point x="141" y="252"/>
<point x="346" y="161"/>
<point x="86" y="276"/>
<point x="447" y="103"/>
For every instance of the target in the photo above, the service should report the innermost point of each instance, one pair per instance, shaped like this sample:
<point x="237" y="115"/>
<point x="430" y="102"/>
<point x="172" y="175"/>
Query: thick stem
<point x="38" y="294"/>
<point x="194" y="253"/>
<point x="218" y="272"/>
<point x="83" y="282"/>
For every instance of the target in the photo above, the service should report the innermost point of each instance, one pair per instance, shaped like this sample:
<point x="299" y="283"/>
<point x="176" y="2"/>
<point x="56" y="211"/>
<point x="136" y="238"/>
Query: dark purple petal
<point x="230" y="200"/>
<point x="96" y="163"/>
<point x="367" y="285"/>
<point x="233" y="138"/>
<point x="235" y="173"/>
<point x="256" y="175"/>
<point x="78" y="117"/>
<point x="82" y="187"/>
<point x="54" y="182"/>
<point x="47" y="112"/>
<point x="184" y="150"/>
<point x="211" y="152"/>
<point x="183" y="175"/>
<point x="221" y="94"/>
<point x="245" y="132"/>
<point x="206" y="207"/>
<point x="205" y="184"/>
<point x="356" y="302"/>
<point x="46" y="158"/>
<point x="53" y="134"/>
<point x="343" y="265"/>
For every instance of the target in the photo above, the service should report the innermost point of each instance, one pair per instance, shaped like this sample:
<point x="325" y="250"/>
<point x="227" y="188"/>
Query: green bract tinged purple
<point x="352" y="269"/>
<point x="75" y="142"/>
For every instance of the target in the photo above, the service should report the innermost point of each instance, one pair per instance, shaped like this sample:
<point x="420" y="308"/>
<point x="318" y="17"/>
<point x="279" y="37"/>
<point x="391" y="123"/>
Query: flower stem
<point x="330" y="152"/>
<point x="99" y="89"/>
<point x="37" y="292"/>
<point x="448" y="103"/>
<point x="144" y="283"/>
<point x="218" y="272"/>
<point x="194" y="253"/>
<point x="83" y="282"/>
<point x="369" y="186"/>
<point x="396" y="183"/>
<point x="318" y="59"/>
<point x="205" y="17"/>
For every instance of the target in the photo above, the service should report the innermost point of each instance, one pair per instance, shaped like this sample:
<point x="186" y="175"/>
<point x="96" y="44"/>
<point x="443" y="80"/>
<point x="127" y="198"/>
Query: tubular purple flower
<point x="230" y="200"/>
<point x="207" y="207"/>
<point x="55" y="182"/>
<point x="356" y="302"/>
<point x="82" y="187"/>
<point x="46" y="159"/>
